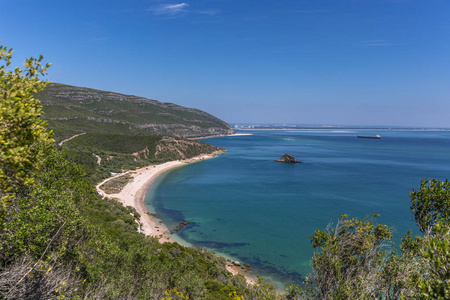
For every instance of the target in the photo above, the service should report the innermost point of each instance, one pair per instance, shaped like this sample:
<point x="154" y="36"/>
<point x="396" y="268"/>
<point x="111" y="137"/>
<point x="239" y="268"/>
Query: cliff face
<point x="70" y="108"/>
<point x="182" y="149"/>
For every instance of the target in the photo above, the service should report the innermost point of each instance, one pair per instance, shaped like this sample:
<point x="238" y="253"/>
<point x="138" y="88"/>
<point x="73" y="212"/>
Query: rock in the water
<point x="288" y="158"/>
<point x="236" y="263"/>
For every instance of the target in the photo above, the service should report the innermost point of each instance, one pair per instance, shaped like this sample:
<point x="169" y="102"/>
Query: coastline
<point x="214" y="136"/>
<point x="343" y="128"/>
<point x="133" y="194"/>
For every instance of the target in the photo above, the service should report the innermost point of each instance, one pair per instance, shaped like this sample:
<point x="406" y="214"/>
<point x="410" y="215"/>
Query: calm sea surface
<point x="248" y="207"/>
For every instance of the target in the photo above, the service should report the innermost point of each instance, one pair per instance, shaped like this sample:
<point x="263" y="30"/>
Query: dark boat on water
<point x="375" y="137"/>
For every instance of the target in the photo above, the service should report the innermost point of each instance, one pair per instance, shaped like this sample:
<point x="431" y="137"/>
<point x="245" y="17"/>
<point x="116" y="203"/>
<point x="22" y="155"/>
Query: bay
<point x="245" y="205"/>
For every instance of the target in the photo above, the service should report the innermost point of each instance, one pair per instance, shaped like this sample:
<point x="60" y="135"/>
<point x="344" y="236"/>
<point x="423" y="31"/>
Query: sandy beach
<point x="133" y="194"/>
<point x="214" y="136"/>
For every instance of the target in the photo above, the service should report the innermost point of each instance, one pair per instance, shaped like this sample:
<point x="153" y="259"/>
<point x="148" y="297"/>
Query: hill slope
<point x="101" y="153"/>
<point x="108" y="132"/>
<point x="71" y="109"/>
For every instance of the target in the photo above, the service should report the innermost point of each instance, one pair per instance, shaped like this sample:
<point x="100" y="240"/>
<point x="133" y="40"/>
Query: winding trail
<point x="99" y="159"/>
<point x="72" y="137"/>
<point x="100" y="191"/>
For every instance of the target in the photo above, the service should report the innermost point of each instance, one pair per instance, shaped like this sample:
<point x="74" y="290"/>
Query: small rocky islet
<point x="288" y="158"/>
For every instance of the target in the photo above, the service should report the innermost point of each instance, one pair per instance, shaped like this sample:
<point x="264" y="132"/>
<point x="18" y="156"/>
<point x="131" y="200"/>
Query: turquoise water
<point x="246" y="206"/>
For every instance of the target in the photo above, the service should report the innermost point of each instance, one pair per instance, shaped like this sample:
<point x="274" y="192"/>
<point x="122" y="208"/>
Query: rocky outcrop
<point x="180" y="149"/>
<point x="288" y="158"/>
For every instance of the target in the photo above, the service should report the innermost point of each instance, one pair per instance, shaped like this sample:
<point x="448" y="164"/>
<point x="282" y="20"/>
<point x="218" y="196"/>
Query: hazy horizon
<point x="333" y="126"/>
<point x="330" y="62"/>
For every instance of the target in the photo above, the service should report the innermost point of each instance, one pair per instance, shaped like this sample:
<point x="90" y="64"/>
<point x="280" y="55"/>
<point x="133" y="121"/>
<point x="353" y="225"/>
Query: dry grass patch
<point x="114" y="186"/>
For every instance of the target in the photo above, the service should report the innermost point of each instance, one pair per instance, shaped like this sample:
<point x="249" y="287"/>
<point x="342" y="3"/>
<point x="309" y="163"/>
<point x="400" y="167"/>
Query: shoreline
<point x="133" y="194"/>
<point x="214" y="136"/>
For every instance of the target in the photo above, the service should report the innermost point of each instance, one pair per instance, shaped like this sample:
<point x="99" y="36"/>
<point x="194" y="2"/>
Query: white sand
<point x="241" y="134"/>
<point x="214" y="136"/>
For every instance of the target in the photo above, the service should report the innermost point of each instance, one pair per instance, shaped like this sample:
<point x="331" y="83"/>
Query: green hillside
<point x="71" y="109"/>
<point x="109" y="132"/>
<point x="100" y="153"/>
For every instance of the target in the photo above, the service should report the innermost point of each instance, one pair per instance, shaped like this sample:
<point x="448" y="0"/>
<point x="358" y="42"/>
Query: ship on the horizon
<point x="377" y="137"/>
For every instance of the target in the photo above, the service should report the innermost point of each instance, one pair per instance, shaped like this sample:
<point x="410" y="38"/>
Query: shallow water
<point x="247" y="206"/>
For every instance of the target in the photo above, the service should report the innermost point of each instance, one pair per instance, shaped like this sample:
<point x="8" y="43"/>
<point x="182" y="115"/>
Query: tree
<point x="23" y="134"/>
<point x="347" y="258"/>
<point x="431" y="203"/>
<point x="435" y="282"/>
<point x="355" y="260"/>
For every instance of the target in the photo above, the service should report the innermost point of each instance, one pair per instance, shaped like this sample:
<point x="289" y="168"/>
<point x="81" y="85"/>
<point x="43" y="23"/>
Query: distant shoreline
<point x="214" y="136"/>
<point x="344" y="128"/>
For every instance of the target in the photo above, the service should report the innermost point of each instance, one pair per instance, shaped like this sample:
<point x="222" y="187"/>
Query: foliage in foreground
<point x="23" y="134"/>
<point x="355" y="259"/>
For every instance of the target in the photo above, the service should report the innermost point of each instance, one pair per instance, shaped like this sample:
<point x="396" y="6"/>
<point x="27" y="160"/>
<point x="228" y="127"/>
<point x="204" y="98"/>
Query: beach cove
<point x="133" y="194"/>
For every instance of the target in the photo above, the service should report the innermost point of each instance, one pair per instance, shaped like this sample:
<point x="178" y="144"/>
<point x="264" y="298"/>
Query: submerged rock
<point x="288" y="158"/>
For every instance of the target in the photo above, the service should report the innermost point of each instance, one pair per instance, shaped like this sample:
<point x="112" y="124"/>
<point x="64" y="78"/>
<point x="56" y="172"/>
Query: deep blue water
<point x="245" y="205"/>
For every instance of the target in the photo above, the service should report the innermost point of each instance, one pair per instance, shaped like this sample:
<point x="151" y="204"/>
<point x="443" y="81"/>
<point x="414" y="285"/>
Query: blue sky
<point x="341" y="62"/>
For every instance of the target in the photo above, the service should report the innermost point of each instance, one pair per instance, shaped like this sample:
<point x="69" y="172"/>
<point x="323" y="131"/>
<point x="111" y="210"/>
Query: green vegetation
<point x="114" y="143"/>
<point x="119" y="152"/>
<point x="71" y="109"/>
<point x="431" y="203"/>
<point x="23" y="135"/>
<point x="114" y="186"/>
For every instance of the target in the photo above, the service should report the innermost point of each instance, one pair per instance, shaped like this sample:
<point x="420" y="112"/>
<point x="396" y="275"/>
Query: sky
<point x="333" y="62"/>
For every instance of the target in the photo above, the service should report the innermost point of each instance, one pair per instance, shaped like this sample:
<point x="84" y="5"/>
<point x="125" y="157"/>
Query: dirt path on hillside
<point x="72" y="137"/>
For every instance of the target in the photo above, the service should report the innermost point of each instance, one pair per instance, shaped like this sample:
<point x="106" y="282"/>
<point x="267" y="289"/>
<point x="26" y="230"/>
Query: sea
<point x="246" y="206"/>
